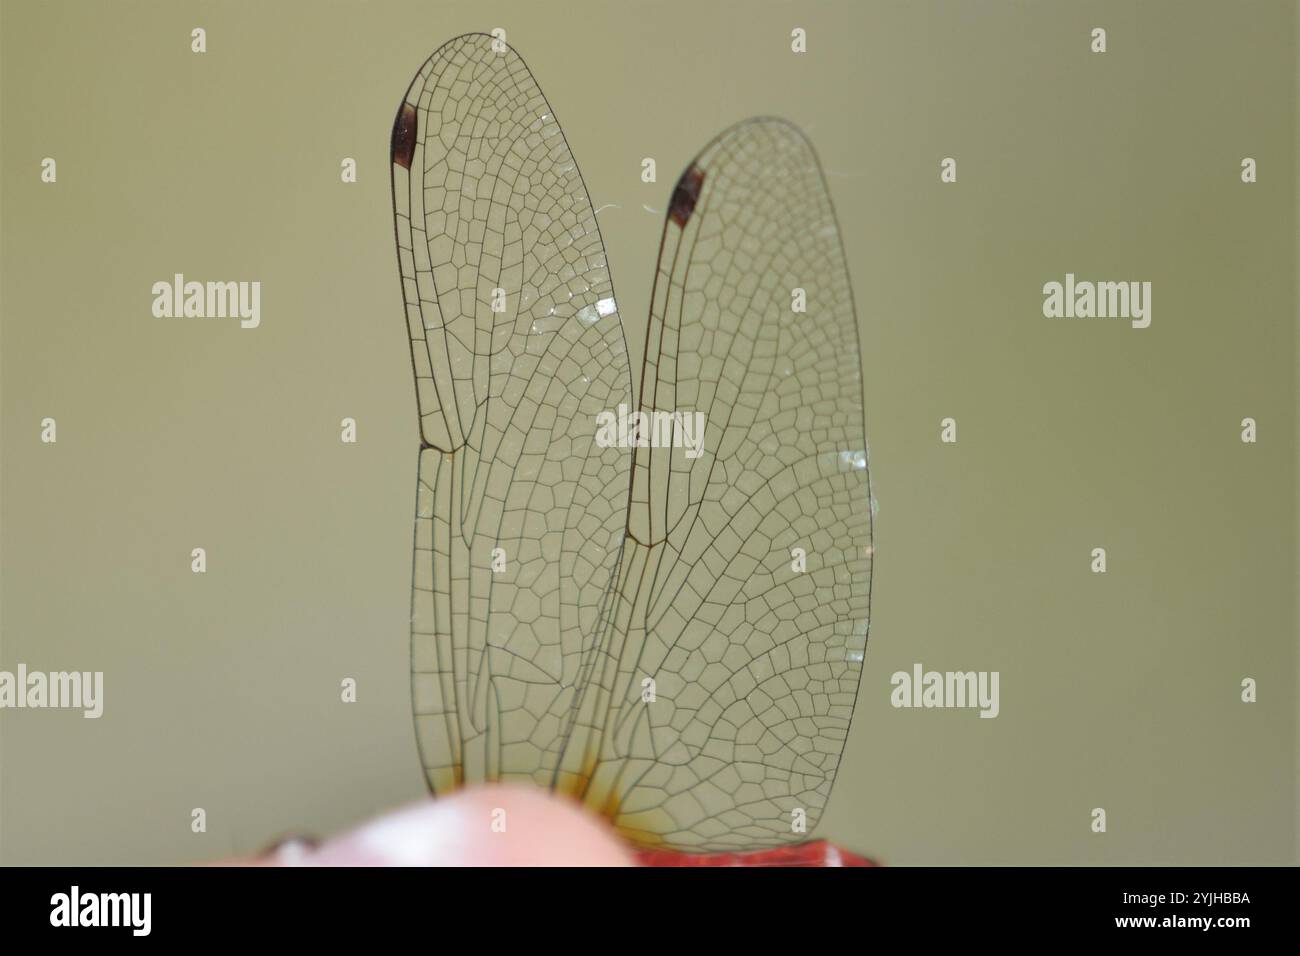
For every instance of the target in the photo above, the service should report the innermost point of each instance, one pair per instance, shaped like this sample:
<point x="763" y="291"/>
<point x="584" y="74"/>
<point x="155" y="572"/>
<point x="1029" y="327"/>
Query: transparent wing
<point x="516" y="346"/>
<point x="754" y="663"/>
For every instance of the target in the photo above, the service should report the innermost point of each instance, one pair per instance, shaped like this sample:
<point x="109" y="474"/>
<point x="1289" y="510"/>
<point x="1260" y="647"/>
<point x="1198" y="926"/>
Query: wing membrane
<point x="516" y="346"/>
<point x="632" y="627"/>
<point x="756" y="665"/>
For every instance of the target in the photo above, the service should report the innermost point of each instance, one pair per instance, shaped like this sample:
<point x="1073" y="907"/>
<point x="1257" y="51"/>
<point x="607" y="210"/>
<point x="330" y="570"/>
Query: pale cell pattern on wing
<point x="493" y="200"/>
<point x="627" y="565"/>
<point x="756" y="665"/>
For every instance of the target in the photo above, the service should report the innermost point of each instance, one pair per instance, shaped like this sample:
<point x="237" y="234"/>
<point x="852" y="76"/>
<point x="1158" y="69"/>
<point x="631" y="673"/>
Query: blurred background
<point x="1119" y="690"/>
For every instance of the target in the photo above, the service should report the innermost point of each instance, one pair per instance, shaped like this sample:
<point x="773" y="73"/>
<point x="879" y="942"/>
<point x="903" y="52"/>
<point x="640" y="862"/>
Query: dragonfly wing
<point x="744" y="590"/>
<point x="516" y="346"/>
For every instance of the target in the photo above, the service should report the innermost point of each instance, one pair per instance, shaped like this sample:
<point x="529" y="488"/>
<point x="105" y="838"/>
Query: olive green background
<point x="222" y="690"/>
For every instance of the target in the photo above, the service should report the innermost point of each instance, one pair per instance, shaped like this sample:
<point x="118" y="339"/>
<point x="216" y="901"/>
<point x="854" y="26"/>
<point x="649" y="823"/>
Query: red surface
<point x="814" y="853"/>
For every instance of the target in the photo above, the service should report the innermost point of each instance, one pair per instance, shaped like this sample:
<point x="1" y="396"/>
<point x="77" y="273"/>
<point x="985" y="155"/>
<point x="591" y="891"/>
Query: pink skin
<point x="541" y="829"/>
